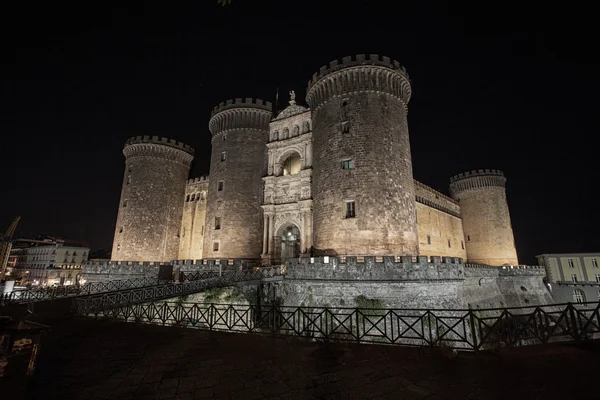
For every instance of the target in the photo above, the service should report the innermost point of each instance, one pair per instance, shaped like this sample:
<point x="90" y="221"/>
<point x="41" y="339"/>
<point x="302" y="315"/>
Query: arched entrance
<point x="290" y="243"/>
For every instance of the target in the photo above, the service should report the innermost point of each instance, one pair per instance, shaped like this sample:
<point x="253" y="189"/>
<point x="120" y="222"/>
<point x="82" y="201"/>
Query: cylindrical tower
<point x="486" y="220"/>
<point x="363" y="190"/>
<point x="240" y="129"/>
<point x="152" y="197"/>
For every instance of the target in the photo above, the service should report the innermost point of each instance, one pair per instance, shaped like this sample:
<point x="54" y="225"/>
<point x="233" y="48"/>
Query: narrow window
<point x="215" y="246"/>
<point x="574" y="277"/>
<point x="202" y="230"/>
<point x="224" y="137"/>
<point x="347" y="164"/>
<point x="350" y="209"/>
<point x="345" y="127"/>
<point x="220" y="187"/>
<point x="594" y="263"/>
<point x="124" y="203"/>
<point x="428" y="239"/>
<point x="571" y="263"/>
<point x="462" y="245"/>
<point x="448" y="243"/>
<point x="121" y="230"/>
<point x="187" y="198"/>
<point x="193" y="197"/>
<point x="598" y="278"/>
<point x="223" y="155"/>
<point x="217" y="222"/>
<point x="578" y="296"/>
<point x="468" y="238"/>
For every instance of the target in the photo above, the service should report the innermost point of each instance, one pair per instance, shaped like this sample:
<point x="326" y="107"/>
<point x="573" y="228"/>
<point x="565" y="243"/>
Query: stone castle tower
<point x="486" y="220"/>
<point x="332" y="179"/>
<point x="363" y="191"/>
<point x="152" y="197"/>
<point x="240" y="129"/>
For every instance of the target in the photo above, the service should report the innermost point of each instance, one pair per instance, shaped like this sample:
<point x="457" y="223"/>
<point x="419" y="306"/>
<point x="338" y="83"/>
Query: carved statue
<point x="292" y="97"/>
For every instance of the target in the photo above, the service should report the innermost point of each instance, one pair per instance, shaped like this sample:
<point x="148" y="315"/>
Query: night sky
<point x="509" y="87"/>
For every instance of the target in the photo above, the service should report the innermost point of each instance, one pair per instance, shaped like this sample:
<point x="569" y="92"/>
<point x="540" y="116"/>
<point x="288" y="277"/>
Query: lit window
<point x="220" y="186"/>
<point x="217" y="222"/>
<point x="223" y="155"/>
<point x="574" y="277"/>
<point x="571" y="263"/>
<point x="578" y="296"/>
<point x="350" y="209"/>
<point x="428" y="239"/>
<point x="594" y="263"/>
<point x="215" y="246"/>
<point x="292" y="165"/>
<point x="347" y="164"/>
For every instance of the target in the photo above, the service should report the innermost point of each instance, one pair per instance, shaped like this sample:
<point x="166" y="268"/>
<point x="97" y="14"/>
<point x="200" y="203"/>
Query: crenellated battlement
<point x="357" y="60"/>
<point x="199" y="179"/>
<point x="477" y="172"/>
<point x="161" y="141"/>
<point x="478" y="179"/>
<point x="248" y="114"/>
<point x="248" y="102"/>
<point x="358" y="74"/>
<point x="432" y="198"/>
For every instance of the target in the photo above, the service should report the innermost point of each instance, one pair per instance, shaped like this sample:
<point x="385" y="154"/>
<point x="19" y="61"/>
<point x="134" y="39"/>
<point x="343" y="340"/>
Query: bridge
<point x="116" y="293"/>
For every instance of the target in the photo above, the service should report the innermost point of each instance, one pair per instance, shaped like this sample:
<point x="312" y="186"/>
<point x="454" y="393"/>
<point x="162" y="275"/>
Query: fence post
<point x="356" y="310"/>
<point x="473" y="332"/>
<point x="574" y="324"/>
<point x="210" y="316"/>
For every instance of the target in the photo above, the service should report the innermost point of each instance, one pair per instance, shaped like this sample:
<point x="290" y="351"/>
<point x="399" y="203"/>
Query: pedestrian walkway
<point x="94" y="359"/>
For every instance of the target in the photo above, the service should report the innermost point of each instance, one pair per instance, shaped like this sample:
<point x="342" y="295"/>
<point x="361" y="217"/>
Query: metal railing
<point x="106" y="301"/>
<point x="461" y="329"/>
<point x="35" y="295"/>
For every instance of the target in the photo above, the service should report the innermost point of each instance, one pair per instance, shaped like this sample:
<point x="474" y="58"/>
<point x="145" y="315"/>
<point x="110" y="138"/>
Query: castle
<point x="332" y="179"/>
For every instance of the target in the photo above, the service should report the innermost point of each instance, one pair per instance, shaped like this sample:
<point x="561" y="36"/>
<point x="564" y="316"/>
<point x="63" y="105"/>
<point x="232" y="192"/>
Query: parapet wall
<point x="432" y="198"/>
<point x="359" y="74"/>
<point x="248" y="102"/>
<point x="358" y="60"/>
<point x="160" y="140"/>
<point x="245" y="115"/>
<point x="103" y="271"/>
<point x="199" y="179"/>
<point x="482" y="178"/>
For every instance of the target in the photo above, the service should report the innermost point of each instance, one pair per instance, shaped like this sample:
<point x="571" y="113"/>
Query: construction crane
<point x="6" y="242"/>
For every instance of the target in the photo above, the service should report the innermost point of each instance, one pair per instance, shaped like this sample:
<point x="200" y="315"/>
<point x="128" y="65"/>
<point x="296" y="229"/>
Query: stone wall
<point x="118" y="270"/>
<point x="359" y="114"/>
<point x="436" y="229"/>
<point x="152" y="197"/>
<point x="194" y="219"/>
<point x="424" y="283"/>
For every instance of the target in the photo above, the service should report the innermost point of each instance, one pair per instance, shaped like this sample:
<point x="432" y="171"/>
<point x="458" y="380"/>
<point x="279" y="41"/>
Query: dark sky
<point x="511" y="86"/>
